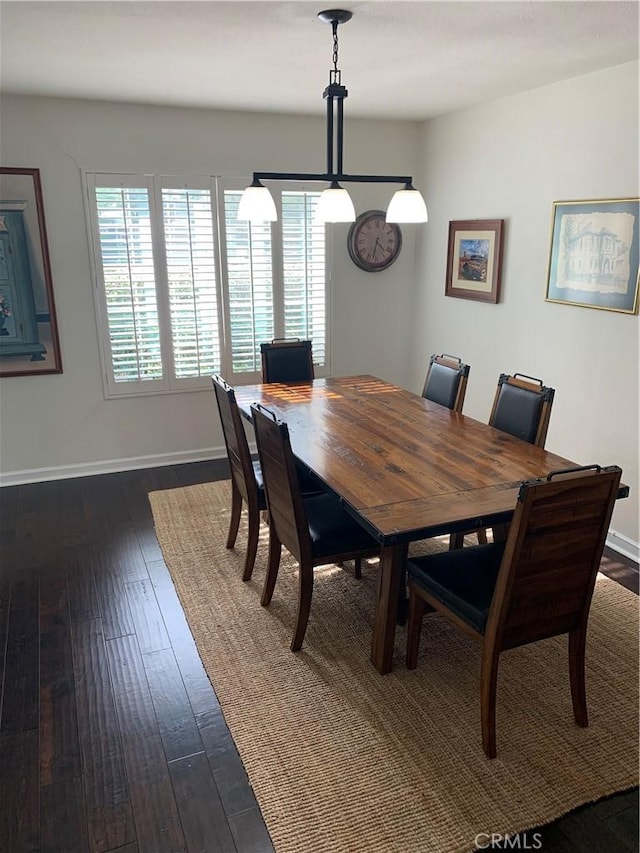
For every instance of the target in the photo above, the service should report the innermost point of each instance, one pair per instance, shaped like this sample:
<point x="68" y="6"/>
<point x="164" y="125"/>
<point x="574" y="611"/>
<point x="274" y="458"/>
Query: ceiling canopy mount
<point x="335" y="16"/>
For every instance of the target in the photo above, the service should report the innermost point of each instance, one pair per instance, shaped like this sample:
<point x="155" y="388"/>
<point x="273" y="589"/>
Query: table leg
<point x="384" y="626"/>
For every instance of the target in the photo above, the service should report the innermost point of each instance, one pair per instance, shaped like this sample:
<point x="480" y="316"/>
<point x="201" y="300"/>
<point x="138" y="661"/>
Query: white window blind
<point x="124" y="224"/>
<point x="192" y="281"/>
<point x="250" y="285"/>
<point x="185" y="289"/>
<point x="304" y="271"/>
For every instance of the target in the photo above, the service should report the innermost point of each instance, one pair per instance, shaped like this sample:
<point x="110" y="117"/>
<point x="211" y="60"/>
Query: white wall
<point x="52" y="425"/>
<point x="510" y="160"/>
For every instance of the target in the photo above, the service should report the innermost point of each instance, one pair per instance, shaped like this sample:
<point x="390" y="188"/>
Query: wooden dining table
<point x="404" y="467"/>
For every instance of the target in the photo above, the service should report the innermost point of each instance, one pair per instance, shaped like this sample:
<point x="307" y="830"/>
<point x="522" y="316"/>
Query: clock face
<point x="374" y="243"/>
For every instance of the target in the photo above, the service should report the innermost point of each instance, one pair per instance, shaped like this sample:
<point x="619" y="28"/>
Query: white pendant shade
<point x="407" y="206"/>
<point x="257" y="205"/>
<point x="335" y="205"/>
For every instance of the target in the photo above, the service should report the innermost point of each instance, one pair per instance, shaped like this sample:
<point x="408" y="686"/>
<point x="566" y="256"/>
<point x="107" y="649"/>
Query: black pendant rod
<point x="330" y="135"/>
<point x="330" y="176"/>
<point x="340" y="133"/>
<point x="335" y="93"/>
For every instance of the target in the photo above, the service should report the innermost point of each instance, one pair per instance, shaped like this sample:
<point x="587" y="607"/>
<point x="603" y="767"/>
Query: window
<point x="185" y="289"/>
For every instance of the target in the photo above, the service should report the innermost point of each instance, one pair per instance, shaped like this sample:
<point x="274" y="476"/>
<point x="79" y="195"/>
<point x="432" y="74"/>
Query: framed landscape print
<point x="28" y="329"/>
<point x="474" y="259"/>
<point x="593" y="258"/>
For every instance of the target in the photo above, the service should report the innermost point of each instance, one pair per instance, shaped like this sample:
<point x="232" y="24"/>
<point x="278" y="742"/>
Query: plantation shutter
<point x="249" y="286"/>
<point x="304" y="271"/>
<point x="124" y="229"/>
<point x="192" y="281"/>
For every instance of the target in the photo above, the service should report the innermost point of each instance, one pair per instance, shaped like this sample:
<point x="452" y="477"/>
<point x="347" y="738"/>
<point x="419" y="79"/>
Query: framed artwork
<point x="474" y="259"/>
<point x="29" y="342"/>
<point x="593" y="258"/>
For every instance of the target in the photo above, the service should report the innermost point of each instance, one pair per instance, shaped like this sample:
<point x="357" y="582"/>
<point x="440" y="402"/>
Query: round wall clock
<point x="374" y="243"/>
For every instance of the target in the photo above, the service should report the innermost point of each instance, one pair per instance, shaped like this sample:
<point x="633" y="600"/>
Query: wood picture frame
<point x="474" y="259"/>
<point x="593" y="254"/>
<point x="29" y="341"/>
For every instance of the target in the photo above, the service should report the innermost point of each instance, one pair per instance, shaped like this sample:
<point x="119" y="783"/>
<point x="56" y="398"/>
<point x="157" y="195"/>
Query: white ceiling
<point x="406" y="60"/>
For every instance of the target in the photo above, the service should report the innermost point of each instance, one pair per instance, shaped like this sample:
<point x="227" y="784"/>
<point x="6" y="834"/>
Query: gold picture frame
<point x="593" y="254"/>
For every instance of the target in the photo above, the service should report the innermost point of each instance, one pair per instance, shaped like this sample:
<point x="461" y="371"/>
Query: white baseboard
<point x="623" y="545"/>
<point x="108" y="466"/>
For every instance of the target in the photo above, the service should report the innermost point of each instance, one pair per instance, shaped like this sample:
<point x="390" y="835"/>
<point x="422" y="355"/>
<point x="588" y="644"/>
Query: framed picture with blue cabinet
<point x="29" y="342"/>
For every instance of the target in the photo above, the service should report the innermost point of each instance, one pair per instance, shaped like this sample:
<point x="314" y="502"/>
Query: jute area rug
<point x="343" y="759"/>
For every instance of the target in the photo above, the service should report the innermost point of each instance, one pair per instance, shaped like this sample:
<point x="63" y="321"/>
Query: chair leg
<point x="488" y="689"/>
<point x="482" y="536"/>
<point x="357" y="564"/>
<point x="236" y="510"/>
<point x="456" y="540"/>
<point x="275" y="550"/>
<point x="252" y="544"/>
<point x="414" y="628"/>
<point x="304" y="605"/>
<point x="577" y="645"/>
<point x="403" y="601"/>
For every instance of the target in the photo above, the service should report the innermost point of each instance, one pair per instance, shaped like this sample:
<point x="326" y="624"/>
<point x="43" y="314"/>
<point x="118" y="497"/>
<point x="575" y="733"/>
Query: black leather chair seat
<point x="332" y="530"/>
<point x="257" y="470"/>
<point x="464" y="579"/>
<point x="309" y="483"/>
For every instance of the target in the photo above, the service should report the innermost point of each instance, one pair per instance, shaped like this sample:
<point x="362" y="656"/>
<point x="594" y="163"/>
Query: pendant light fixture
<point x="334" y="205"/>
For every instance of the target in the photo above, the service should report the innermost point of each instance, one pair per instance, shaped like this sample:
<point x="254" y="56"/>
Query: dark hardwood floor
<point x="111" y="737"/>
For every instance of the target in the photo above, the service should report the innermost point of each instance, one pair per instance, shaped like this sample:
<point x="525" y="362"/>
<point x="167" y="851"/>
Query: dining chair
<point x="246" y="475"/>
<point x="521" y="407"/>
<point x="315" y="529"/>
<point x="446" y="381"/>
<point x="536" y="584"/>
<point x="287" y="360"/>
